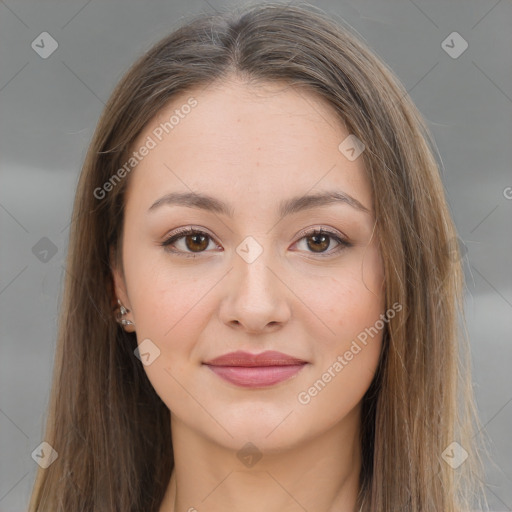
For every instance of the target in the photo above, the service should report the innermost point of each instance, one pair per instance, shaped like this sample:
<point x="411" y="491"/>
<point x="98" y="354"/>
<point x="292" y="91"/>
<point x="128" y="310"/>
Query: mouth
<point x="255" y="370"/>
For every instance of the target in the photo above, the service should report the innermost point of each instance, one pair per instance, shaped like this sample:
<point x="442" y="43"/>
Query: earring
<point x="119" y="316"/>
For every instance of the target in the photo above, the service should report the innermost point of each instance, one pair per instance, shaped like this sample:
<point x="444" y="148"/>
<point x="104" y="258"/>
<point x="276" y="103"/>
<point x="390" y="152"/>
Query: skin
<point x="254" y="146"/>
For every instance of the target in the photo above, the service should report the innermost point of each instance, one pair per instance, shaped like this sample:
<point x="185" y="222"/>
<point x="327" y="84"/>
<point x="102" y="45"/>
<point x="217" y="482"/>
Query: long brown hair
<point x="109" y="427"/>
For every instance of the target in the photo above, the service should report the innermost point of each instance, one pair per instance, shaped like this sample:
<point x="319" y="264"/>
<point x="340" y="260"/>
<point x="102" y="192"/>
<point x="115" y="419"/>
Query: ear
<point x="118" y="281"/>
<point x="120" y="291"/>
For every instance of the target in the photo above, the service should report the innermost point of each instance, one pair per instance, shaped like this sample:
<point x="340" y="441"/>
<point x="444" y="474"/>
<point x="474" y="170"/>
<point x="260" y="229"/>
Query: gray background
<point x="49" y="108"/>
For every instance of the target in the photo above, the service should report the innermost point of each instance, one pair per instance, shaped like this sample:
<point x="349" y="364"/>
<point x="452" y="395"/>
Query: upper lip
<point x="246" y="359"/>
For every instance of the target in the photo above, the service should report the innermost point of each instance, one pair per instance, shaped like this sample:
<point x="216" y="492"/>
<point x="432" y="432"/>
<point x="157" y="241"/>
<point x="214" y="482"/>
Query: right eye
<point x="195" y="242"/>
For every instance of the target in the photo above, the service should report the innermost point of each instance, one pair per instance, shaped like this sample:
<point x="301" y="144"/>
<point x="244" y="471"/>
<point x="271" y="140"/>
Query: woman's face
<point x="256" y="278"/>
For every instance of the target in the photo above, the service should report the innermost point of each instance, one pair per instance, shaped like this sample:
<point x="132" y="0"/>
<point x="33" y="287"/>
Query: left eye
<point x="320" y="240"/>
<point x="197" y="241"/>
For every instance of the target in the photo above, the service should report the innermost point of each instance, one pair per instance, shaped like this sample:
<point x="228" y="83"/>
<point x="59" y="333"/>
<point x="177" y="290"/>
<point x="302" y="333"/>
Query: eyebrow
<point x="286" y="207"/>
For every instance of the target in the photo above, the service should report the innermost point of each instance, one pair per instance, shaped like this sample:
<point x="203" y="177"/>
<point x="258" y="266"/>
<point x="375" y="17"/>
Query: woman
<point x="262" y="287"/>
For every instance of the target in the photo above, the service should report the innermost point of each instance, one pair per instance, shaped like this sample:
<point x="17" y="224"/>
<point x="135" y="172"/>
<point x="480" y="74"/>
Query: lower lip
<point x="258" y="376"/>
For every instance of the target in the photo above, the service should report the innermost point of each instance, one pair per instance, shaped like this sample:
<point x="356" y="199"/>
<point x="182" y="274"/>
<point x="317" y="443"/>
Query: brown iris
<point x="324" y="244"/>
<point x="200" y="242"/>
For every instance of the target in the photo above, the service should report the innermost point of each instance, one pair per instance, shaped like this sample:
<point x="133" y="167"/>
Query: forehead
<point x="267" y="139"/>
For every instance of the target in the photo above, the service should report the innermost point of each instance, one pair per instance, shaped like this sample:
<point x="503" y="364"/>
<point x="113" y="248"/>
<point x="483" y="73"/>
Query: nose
<point x="256" y="299"/>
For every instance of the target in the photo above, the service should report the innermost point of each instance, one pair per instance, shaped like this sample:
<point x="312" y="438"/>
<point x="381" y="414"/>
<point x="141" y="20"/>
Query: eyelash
<point x="190" y="231"/>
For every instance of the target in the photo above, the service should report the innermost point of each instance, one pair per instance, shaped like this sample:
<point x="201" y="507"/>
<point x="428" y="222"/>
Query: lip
<point x="255" y="370"/>
<point x="246" y="359"/>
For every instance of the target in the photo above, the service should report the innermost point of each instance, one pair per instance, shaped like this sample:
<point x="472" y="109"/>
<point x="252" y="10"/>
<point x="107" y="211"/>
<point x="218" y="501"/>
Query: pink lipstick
<point x="255" y="370"/>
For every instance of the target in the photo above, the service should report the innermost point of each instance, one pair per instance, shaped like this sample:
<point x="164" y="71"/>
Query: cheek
<point x="351" y="305"/>
<point x="347" y="360"/>
<point x="340" y="384"/>
<point x="170" y="309"/>
<point x="350" y="299"/>
<point x="164" y="296"/>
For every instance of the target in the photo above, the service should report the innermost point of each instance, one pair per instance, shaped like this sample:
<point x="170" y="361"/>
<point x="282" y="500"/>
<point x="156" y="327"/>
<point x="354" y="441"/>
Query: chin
<point x="267" y="431"/>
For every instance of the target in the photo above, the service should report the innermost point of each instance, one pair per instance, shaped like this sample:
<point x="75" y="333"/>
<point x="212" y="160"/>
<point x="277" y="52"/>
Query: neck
<point x="320" y="474"/>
